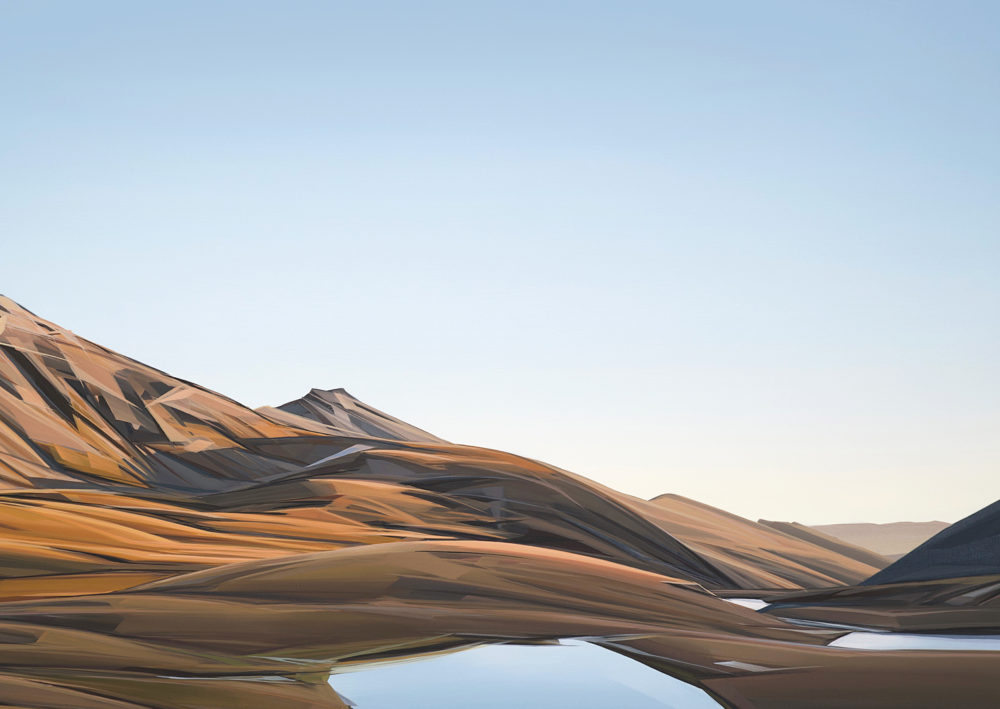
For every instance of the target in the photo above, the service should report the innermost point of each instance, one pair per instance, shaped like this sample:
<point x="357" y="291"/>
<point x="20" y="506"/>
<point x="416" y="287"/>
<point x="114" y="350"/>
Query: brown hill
<point x="891" y="540"/>
<point x="176" y="643"/>
<point x="135" y="471"/>
<point x="759" y="555"/>
<point x="338" y="410"/>
<point x="164" y="546"/>
<point x="813" y="536"/>
<point x="970" y="547"/>
<point x="74" y="414"/>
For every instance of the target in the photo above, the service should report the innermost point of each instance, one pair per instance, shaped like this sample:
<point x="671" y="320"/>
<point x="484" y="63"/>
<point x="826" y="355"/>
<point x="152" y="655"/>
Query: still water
<point x="571" y="674"/>
<point x="908" y="641"/>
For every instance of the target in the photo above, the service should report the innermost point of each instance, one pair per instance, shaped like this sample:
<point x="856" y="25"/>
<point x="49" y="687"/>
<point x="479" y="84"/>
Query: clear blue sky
<point x="745" y="252"/>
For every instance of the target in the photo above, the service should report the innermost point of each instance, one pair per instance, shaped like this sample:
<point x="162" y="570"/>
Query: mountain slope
<point x="76" y="416"/>
<point x="892" y="540"/>
<point x="813" y="536"/>
<point x="970" y="547"/>
<point x="346" y="415"/>
<point x="756" y="555"/>
<point x="185" y="478"/>
<point x="165" y="546"/>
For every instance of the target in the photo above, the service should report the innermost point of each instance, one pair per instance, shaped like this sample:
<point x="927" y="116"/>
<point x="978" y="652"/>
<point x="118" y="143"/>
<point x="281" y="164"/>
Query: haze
<point x="746" y="253"/>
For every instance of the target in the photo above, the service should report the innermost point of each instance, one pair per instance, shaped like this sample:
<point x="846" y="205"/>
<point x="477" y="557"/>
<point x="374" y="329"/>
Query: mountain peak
<point x="344" y="413"/>
<point x="15" y="317"/>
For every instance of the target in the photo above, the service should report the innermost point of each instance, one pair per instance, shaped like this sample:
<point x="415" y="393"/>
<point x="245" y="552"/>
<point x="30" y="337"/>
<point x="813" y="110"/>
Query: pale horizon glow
<point x="745" y="253"/>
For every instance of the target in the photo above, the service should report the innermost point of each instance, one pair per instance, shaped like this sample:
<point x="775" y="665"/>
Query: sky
<point x="748" y="253"/>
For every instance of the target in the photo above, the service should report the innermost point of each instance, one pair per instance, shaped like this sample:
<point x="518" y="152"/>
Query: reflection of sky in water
<point x="574" y="674"/>
<point x="905" y="641"/>
<point x="751" y="603"/>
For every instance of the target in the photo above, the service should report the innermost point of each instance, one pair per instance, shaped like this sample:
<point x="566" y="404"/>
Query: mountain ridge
<point x="97" y="420"/>
<point x="166" y="546"/>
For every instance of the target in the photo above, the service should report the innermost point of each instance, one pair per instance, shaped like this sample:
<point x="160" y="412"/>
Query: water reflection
<point x="571" y="674"/>
<point x="751" y="603"/>
<point x="912" y="641"/>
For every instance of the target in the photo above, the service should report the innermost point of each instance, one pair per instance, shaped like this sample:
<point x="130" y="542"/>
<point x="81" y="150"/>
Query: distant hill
<point x="164" y="545"/>
<point x="761" y="555"/>
<point x="110" y="465"/>
<point x="970" y="547"/>
<point x="835" y="544"/>
<point x="891" y="540"/>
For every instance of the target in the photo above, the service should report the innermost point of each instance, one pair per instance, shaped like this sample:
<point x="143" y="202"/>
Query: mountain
<point x="948" y="584"/>
<point x="166" y="455"/>
<point x="76" y="415"/>
<point x="891" y="540"/>
<point x="162" y="545"/>
<point x="970" y="547"/>
<point x="762" y="555"/>
<point x="324" y="470"/>
<point x="256" y="634"/>
<point x="339" y="411"/>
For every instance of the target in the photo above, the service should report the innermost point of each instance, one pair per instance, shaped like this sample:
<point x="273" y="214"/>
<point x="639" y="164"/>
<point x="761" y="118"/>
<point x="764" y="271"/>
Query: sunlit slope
<point x="113" y="473"/>
<point x="759" y="556"/>
<point x="891" y="540"/>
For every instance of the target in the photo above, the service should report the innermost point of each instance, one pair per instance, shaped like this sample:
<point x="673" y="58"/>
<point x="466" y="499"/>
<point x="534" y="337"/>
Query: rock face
<point x="164" y="546"/>
<point x="970" y="547"/>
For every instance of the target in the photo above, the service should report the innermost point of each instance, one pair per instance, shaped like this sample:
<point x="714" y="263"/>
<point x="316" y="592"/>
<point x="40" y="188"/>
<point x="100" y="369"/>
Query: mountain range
<point x="163" y="545"/>
<point x="891" y="540"/>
